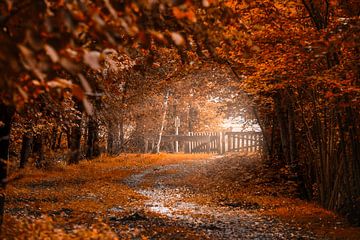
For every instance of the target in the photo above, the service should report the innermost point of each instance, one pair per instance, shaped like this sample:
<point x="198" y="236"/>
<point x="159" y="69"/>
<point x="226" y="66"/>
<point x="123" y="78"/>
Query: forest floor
<point x="164" y="196"/>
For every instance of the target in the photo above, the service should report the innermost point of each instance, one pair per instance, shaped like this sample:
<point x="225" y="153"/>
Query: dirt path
<point x="165" y="196"/>
<point x="170" y="188"/>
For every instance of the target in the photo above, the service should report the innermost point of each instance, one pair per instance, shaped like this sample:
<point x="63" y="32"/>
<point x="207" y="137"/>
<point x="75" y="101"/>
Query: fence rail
<point x="218" y="142"/>
<point x="244" y="141"/>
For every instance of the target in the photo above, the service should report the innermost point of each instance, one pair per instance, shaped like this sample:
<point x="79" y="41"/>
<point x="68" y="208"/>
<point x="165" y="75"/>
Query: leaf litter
<point x="164" y="196"/>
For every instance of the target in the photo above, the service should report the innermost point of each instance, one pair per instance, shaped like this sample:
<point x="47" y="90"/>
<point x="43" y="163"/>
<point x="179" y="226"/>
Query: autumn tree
<point x="295" y="61"/>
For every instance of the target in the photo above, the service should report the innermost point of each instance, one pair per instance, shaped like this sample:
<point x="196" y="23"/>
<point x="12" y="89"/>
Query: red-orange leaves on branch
<point x="68" y="36"/>
<point x="187" y="14"/>
<point x="76" y="90"/>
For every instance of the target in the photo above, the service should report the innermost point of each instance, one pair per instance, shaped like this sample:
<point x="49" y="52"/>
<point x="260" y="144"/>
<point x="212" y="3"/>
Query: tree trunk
<point x="114" y="139"/>
<point x="292" y="134"/>
<point x="53" y="138"/>
<point x="110" y="140"/>
<point x="282" y="121"/>
<point x="121" y="135"/>
<point x="68" y="138"/>
<point x="26" y="146"/>
<point x="165" y="107"/>
<point x="146" y="145"/>
<point x="92" y="139"/>
<point x="264" y="133"/>
<point x="121" y="143"/>
<point x="6" y="114"/>
<point x="74" y="137"/>
<point x="190" y="118"/>
<point x="39" y="149"/>
<point x="58" y="144"/>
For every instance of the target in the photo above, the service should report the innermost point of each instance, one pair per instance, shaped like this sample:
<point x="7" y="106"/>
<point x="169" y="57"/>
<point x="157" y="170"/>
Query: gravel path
<point x="216" y="221"/>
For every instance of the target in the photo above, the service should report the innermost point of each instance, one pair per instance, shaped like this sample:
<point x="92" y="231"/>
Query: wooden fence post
<point x="219" y="143"/>
<point x="209" y="143"/>
<point x="190" y="144"/>
<point x="146" y="143"/>
<point x="223" y="150"/>
<point x="229" y="142"/>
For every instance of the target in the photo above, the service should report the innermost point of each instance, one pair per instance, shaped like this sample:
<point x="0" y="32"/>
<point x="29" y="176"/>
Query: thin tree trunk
<point x="75" y="137"/>
<point x="110" y="139"/>
<point x="263" y="130"/>
<point x="272" y="143"/>
<point x="190" y="114"/>
<point x="58" y="144"/>
<point x="39" y="149"/>
<point x="53" y="138"/>
<point x="292" y="135"/>
<point x="165" y="107"/>
<point x="121" y="143"/>
<point x="26" y="146"/>
<point x="68" y="138"/>
<point x="6" y="114"/>
<point x="92" y="139"/>
<point x="121" y="135"/>
<point x="146" y="145"/>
